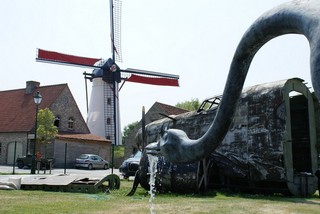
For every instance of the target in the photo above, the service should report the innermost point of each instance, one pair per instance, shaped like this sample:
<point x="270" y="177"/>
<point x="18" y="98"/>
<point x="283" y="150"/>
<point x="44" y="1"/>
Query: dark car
<point x="91" y="161"/>
<point x="26" y="161"/>
<point x="130" y="165"/>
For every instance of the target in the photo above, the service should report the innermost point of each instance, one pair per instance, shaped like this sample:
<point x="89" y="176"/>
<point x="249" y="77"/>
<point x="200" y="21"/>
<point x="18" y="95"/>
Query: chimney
<point x="31" y="85"/>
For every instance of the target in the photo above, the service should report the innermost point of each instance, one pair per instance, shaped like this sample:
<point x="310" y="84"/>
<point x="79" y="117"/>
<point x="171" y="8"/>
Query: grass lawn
<point x="22" y="201"/>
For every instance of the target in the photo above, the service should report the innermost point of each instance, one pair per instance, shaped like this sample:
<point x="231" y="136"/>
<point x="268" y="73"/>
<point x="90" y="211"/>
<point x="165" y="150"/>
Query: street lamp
<point x="37" y="100"/>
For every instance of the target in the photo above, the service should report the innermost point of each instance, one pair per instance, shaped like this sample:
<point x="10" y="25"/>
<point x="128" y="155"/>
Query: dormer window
<point x="57" y="121"/>
<point x="70" y="123"/>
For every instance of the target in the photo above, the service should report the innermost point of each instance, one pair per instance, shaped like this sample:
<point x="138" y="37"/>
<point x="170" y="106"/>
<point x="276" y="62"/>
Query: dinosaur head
<point x="170" y="145"/>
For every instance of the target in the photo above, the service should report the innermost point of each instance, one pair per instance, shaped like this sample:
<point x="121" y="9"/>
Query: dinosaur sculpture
<point x="295" y="17"/>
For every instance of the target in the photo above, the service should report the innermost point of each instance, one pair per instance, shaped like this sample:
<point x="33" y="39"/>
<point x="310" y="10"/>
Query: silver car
<point x="91" y="161"/>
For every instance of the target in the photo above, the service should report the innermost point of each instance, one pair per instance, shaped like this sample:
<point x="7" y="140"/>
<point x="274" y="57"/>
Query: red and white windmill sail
<point x="128" y="75"/>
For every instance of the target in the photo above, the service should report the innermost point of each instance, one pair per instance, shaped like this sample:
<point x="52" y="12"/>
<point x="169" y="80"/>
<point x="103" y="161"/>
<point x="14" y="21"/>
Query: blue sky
<point x="194" y="39"/>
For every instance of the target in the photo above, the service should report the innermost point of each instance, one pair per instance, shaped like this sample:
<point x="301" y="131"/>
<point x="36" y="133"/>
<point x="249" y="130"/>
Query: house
<point x="157" y="111"/>
<point x="17" y="125"/>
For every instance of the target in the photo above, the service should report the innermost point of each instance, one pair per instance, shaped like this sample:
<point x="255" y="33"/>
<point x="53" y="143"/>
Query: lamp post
<point x="37" y="100"/>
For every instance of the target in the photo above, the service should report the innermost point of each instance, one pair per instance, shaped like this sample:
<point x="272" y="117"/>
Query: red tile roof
<point x="170" y="110"/>
<point x="82" y="137"/>
<point x="17" y="109"/>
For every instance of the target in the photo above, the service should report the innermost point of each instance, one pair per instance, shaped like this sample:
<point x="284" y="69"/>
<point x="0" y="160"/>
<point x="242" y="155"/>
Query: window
<point x="108" y="137"/>
<point x="108" y="121"/>
<point x="109" y="101"/>
<point x="70" y="123"/>
<point x="57" y="121"/>
<point x="0" y="149"/>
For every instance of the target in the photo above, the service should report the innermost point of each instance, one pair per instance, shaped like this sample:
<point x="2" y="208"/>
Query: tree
<point x="192" y="105"/>
<point x="127" y="129"/>
<point x="46" y="129"/>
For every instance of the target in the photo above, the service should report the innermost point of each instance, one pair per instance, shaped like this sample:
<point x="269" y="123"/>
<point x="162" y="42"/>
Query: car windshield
<point x="137" y="155"/>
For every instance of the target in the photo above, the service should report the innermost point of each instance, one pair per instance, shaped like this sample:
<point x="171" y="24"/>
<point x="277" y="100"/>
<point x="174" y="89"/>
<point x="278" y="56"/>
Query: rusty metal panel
<point x="254" y="141"/>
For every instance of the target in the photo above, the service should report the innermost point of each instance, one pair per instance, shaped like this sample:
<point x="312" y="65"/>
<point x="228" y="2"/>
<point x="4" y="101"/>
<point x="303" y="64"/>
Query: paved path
<point x="25" y="173"/>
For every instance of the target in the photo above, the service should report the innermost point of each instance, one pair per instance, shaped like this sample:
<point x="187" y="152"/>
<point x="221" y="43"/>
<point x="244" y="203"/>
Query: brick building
<point x="17" y="125"/>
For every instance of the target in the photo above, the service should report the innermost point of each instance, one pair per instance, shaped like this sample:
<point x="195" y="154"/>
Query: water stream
<point x="153" y="161"/>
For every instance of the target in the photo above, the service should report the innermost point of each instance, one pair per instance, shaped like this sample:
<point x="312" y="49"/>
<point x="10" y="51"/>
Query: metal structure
<point x="68" y="183"/>
<point x="270" y="147"/>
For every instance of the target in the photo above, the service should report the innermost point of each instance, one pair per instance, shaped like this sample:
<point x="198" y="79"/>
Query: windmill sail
<point x="60" y="58"/>
<point x="116" y="29"/>
<point x="153" y="80"/>
<point x="130" y="75"/>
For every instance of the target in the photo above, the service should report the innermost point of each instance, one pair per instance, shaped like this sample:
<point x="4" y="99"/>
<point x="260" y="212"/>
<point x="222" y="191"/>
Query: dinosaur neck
<point x="290" y="18"/>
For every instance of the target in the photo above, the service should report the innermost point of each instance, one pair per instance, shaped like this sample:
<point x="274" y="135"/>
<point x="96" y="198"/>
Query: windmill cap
<point x="107" y="65"/>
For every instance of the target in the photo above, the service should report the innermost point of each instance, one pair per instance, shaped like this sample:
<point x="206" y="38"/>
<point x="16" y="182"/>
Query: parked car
<point x="130" y="165"/>
<point x="26" y="161"/>
<point x="91" y="161"/>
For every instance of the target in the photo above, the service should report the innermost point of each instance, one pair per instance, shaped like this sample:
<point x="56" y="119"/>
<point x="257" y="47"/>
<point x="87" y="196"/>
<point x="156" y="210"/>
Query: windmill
<point x="103" y="111"/>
